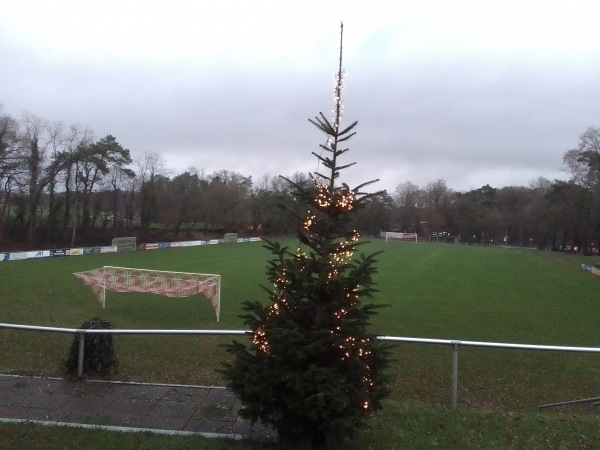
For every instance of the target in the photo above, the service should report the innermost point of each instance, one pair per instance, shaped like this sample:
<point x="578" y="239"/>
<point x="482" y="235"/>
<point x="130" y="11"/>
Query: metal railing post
<point x="455" y="345"/>
<point x="80" y="357"/>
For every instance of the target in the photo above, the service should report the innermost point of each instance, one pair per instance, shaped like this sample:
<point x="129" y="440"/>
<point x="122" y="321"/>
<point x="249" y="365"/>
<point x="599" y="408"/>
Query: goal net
<point x="124" y="244"/>
<point x="230" y="238"/>
<point x="169" y="284"/>
<point x="390" y="235"/>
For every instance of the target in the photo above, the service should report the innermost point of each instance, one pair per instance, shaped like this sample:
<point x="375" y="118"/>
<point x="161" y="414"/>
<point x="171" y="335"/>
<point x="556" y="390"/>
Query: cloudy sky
<point x="474" y="92"/>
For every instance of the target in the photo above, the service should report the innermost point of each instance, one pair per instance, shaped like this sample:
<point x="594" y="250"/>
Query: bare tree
<point x="59" y="159"/>
<point x="188" y="195"/>
<point x="435" y="200"/>
<point x="229" y="194"/>
<point x="407" y="194"/>
<point x="584" y="161"/>
<point x="119" y="183"/>
<point x="150" y="166"/>
<point x="10" y="164"/>
<point x="577" y="168"/>
<point x="76" y="139"/>
<point x="408" y="199"/>
<point x="584" y="164"/>
<point x="38" y="137"/>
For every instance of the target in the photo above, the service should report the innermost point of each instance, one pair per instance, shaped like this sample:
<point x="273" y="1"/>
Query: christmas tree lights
<point x="311" y="341"/>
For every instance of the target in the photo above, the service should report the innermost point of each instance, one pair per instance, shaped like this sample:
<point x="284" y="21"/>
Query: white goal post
<point x="170" y="284"/>
<point x="230" y="238"/>
<point x="390" y="235"/>
<point x="125" y="244"/>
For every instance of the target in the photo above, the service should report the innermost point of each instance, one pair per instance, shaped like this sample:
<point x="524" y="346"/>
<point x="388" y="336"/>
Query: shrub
<point x="99" y="357"/>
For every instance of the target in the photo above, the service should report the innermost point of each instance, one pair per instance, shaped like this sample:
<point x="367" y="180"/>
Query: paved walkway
<point x="173" y="409"/>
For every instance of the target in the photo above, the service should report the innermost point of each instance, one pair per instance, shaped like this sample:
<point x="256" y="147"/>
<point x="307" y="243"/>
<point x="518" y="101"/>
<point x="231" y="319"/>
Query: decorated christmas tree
<point x="312" y="370"/>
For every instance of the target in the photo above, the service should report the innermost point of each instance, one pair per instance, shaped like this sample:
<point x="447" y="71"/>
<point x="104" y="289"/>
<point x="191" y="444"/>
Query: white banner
<point x="38" y="254"/>
<point x="15" y="256"/>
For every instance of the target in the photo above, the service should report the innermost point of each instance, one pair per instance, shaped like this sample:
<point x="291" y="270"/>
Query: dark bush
<point x="99" y="357"/>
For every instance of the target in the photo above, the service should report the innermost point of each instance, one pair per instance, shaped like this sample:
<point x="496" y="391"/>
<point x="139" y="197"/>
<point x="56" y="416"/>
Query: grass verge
<point x="397" y="427"/>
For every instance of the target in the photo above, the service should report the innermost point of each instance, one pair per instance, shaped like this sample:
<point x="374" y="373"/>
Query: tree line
<point x="553" y="215"/>
<point x="59" y="186"/>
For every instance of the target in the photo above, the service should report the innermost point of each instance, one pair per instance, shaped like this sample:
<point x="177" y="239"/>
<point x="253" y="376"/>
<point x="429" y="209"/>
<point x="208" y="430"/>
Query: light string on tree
<point x="260" y="341"/>
<point x="338" y="109"/>
<point x="309" y="222"/>
<point x="343" y="199"/>
<point x="328" y="202"/>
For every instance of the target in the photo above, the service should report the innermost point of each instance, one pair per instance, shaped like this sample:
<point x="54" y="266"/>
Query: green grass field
<point x="433" y="291"/>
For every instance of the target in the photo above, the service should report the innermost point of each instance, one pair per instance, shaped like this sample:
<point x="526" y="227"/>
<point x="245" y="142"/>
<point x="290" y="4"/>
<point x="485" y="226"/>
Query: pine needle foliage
<point x="313" y="371"/>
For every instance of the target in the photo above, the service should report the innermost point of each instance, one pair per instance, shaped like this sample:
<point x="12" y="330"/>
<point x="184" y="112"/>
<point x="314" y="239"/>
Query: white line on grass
<point x="236" y="437"/>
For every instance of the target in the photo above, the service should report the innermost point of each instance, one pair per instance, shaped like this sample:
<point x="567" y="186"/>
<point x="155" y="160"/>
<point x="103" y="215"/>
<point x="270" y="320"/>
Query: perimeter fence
<point x="453" y="344"/>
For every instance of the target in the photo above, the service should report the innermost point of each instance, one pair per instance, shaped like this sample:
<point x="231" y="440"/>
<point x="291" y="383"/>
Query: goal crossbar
<point x="170" y="284"/>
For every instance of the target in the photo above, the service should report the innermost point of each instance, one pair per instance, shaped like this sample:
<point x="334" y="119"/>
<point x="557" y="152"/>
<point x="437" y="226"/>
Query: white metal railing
<point x="455" y="344"/>
<point x="81" y="332"/>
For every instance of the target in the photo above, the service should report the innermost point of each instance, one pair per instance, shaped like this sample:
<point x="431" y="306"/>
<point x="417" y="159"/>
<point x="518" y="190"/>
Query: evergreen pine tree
<point x="312" y="370"/>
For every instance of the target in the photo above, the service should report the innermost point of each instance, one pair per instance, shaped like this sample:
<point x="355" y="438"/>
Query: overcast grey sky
<point x="474" y="92"/>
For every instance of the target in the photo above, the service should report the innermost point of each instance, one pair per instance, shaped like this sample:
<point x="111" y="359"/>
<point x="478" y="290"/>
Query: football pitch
<point x="432" y="291"/>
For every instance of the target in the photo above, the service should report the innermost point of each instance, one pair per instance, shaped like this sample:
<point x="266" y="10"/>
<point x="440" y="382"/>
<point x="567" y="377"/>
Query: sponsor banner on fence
<point x="18" y="256"/>
<point x="14" y="256"/>
<point x="38" y="254"/>
<point x="191" y="243"/>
